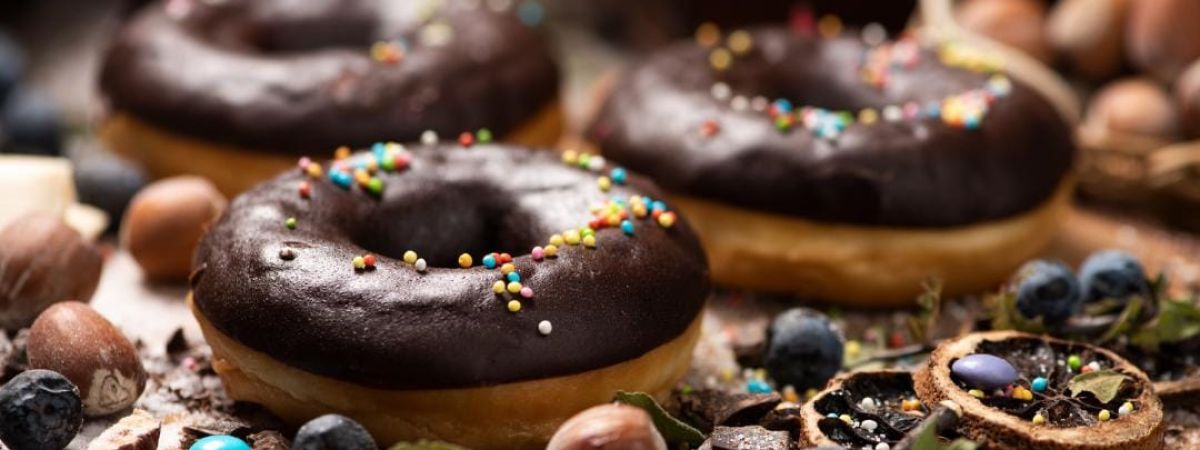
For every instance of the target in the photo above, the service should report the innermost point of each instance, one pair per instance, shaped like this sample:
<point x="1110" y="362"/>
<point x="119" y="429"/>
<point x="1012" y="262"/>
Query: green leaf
<point x="1177" y="320"/>
<point x="921" y="325"/>
<point x="1006" y="317"/>
<point x="1104" y="384"/>
<point x="1126" y="321"/>
<point x="926" y="438"/>
<point x="673" y="430"/>
<point x="425" y="445"/>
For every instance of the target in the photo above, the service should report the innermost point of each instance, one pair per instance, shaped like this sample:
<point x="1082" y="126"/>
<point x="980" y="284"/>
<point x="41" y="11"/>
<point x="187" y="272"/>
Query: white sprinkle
<point x="429" y="137"/>
<point x="874" y="34"/>
<point x="545" y="328"/>
<point x="421" y="264"/>
<point x="892" y="113"/>
<point x="1094" y="366"/>
<point x="883" y="446"/>
<point x="759" y="103"/>
<point x="1125" y="409"/>
<point x="720" y="91"/>
<point x="867" y="403"/>
<point x="499" y="5"/>
<point x="596" y="163"/>
<point x="869" y="425"/>
<point x="739" y="103"/>
<point x="436" y="34"/>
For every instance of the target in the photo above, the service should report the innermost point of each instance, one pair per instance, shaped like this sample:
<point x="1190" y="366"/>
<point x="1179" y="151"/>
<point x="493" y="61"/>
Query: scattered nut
<point x="164" y="223"/>
<point x="1162" y="37"/>
<point x="1090" y="34"/>
<point x="43" y="261"/>
<point x="73" y="339"/>
<point x="1017" y="23"/>
<point x="1134" y="106"/>
<point x="611" y="427"/>
<point x="137" y="431"/>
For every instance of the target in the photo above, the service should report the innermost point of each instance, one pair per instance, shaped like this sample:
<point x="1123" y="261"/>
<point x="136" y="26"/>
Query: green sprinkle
<point x="291" y="223"/>
<point x="375" y="185"/>
<point x="1073" y="362"/>
<point x="483" y="136"/>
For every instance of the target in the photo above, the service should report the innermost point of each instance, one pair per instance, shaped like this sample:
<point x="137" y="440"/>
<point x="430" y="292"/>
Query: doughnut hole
<point x="442" y="222"/>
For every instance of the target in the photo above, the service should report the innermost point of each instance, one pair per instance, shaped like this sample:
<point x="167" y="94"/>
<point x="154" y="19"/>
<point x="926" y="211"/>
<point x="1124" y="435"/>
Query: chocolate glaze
<point x="297" y="76"/>
<point x="396" y="328"/>
<point x="920" y="173"/>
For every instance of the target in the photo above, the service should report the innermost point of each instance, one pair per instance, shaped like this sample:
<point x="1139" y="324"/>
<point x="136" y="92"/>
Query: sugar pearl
<point x="869" y="425"/>
<point x="545" y="327"/>
<point x="867" y="403"/>
<point x="421" y="265"/>
<point x="883" y="446"/>
<point x="429" y="137"/>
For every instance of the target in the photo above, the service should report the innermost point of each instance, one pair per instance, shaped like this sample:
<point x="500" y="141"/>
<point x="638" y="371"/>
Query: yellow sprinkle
<point x="708" y="34"/>
<point x="498" y="287"/>
<point x="976" y="393"/>
<point x="359" y="262"/>
<point x="570" y="157"/>
<point x="868" y="116"/>
<point x="589" y="241"/>
<point x="550" y="250"/>
<point x="361" y="176"/>
<point x="740" y="42"/>
<point x="853" y="348"/>
<point x="604" y="183"/>
<point x="410" y="257"/>
<point x="514" y="306"/>
<point x="720" y="59"/>
<point x="829" y="26"/>
<point x="789" y="394"/>
<point x="639" y="210"/>
<point x="571" y="237"/>
<point x="613" y="220"/>
<point x="846" y="418"/>
<point x="666" y="220"/>
<point x="727" y="374"/>
<point x="507" y="267"/>
<point x="342" y="152"/>
<point x="1039" y="419"/>
<point x="1104" y="415"/>
<point x="314" y="170"/>
<point x="514" y="287"/>
<point x="911" y="404"/>
<point x="464" y="260"/>
<point x="810" y="393"/>
<point x="556" y="240"/>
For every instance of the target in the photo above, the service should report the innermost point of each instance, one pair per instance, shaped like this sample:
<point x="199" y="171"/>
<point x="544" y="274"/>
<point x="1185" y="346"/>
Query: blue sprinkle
<point x="531" y="13"/>
<point x="1038" y="384"/>
<point x="220" y="443"/>
<point x="627" y="227"/>
<point x="757" y="386"/>
<point x="933" y="109"/>
<point x="971" y="122"/>
<point x="341" y="178"/>
<point x="783" y="106"/>
<point x="514" y="276"/>
<point x="658" y="205"/>
<point x="379" y="149"/>
<point x="831" y="415"/>
<point x="489" y="261"/>
<point x="618" y="175"/>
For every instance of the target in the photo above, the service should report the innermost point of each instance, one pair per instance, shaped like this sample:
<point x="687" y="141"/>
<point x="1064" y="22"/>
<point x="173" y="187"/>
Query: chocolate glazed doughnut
<point x="906" y="166"/>
<point x="196" y="86"/>
<point x="342" y="288"/>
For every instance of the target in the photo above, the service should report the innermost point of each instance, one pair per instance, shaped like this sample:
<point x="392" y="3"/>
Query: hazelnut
<point x="1090" y="34"/>
<point x="612" y="427"/>
<point x="1187" y="96"/>
<point x="164" y="223"/>
<point x="43" y="261"/>
<point x="1016" y="23"/>
<point x="73" y="339"/>
<point x="1162" y="37"/>
<point x="1135" y="106"/>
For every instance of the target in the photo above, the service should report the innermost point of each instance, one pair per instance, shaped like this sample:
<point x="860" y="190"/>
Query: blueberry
<point x="30" y="122"/>
<point x="106" y="181"/>
<point x="1047" y="289"/>
<point x="804" y="349"/>
<point x="39" y="410"/>
<point x="12" y="65"/>
<point x="333" y="432"/>
<point x="1112" y="274"/>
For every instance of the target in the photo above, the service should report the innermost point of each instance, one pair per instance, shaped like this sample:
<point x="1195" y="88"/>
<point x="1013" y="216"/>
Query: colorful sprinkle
<point x="464" y="260"/>
<point x="551" y="251"/>
<point x="589" y="241"/>
<point x="514" y="306"/>
<point x="758" y="386"/>
<point x="666" y="219"/>
<point x="1039" y="419"/>
<point x="1125" y="409"/>
<point x="466" y="139"/>
<point x="375" y="186"/>
<point x="514" y="287"/>
<point x="498" y="287"/>
<point x="537" y="253"/>
<point x="387" y="52"/>
<point x="604" y="183"/>
<point x="526" y="292"/>
<point x="627" y="227"/>
<point x="359" y="263"/>
<point x="290" y="223"/>
<point x="740" y="42"/>
<point x="1039" y="384"/>
<point x="709" y="128"/>
<point x="570" y="157"/>
<point x="489" y="261"/>
<point x="1074" y="362"/>
<point x="544" y="327"/>
<point x="618" y="175"/>
<point x="513" y="276"/>
<point x="1104" y="415"/>
<point x="421" y="265"/>
<point x="911" y="404"/>
<point x="429" y="137"/>
<point x="483" y="136"/>
<point x="369" y="261"/>
<point x="571" y="237"/>
<point x="708" y="34"/>
<point x="976" y="393"/>
<point x="410" y="257"/>
<point x="1020" y="393"/>
<point x="507" y="269"/>
<point x="342" y="152"/>
<point x="720" y="59"/>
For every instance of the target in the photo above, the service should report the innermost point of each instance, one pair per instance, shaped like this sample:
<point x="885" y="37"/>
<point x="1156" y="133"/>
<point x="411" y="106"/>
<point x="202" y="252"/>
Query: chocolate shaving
<point x="783" y="419"/>
<point x="707" y="408"/>
<point x="269" y="440"/>
<point x="137" y="431"/>
<point x="12" y="355"/>
<point x="177" y="345"/>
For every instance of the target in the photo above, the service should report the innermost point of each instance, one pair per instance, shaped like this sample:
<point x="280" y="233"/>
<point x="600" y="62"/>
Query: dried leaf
<point x="673" y="430"/>
<point x="1126" y="321"/>
<point x="1177" y="320"/>
<point x="1104" y="384"/>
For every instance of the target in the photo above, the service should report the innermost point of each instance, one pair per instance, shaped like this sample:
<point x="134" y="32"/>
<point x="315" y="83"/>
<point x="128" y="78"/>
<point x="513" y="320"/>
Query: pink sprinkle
<point x="527" y="292"/>
<point x="537" y="253"/>
<point x="304" y="162"/>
